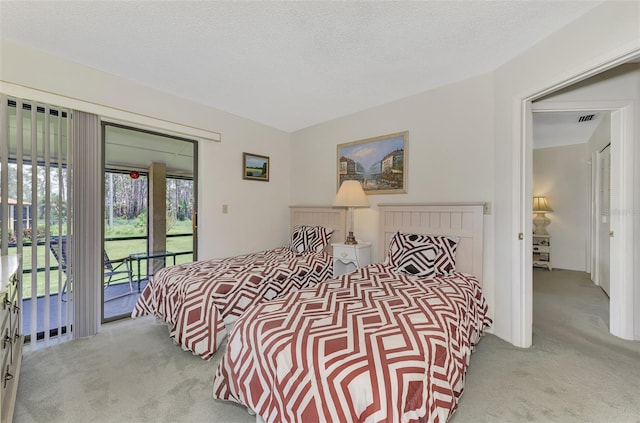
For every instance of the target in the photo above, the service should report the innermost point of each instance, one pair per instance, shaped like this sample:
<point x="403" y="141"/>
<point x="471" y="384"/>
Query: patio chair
<point x="112" y="273"/>
<point x="58" y="247"/>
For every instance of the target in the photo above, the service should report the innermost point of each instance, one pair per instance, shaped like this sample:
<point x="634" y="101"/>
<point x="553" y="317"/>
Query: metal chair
<point x="112" y="273"/>
<point x="58" y="247"/>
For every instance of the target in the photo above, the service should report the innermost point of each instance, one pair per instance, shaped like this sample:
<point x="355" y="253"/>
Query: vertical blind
<point x="35" y="216"/>
<point x="87" y="223"/>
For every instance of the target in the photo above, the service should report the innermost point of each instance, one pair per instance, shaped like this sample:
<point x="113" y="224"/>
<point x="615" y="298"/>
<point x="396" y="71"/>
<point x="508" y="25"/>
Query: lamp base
<point x="540" y="222"/>
<point x="351" y="240"/>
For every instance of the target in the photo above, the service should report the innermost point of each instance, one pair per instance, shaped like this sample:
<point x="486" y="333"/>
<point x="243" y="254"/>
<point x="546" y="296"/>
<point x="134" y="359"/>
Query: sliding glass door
<point x="150" y="188"/>
<point x="35" y="217"/>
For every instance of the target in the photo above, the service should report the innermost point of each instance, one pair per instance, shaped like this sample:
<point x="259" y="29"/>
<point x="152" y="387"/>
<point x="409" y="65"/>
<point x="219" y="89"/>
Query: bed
<point x="389" y="342"/>
<point x="200" y="301"/>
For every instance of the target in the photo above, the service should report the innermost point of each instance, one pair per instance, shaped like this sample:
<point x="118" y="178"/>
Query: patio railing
<point x="118" y="249"/>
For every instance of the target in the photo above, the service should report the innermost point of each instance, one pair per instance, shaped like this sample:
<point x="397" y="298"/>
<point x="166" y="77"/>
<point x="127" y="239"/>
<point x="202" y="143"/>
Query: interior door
<point x="603" y="213"/>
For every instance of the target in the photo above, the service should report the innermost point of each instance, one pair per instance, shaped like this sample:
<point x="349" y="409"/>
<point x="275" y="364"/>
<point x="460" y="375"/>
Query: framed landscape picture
<point x="378" y="163"/>
<point x="255" y="167"/>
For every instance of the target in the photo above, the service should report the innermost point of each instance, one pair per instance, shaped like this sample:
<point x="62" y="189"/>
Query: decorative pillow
<point x="395" y="250"/>
<point x="446" y="260"/>
<point x="419" y="260"/>
<point x="308" y="239"/>
<point x="297" y="239"/>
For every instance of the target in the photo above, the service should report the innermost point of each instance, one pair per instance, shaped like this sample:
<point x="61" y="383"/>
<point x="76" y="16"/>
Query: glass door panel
<point x="180" y="214"/>
<point x="125" y="233"/>
<point x="140" y="168"/>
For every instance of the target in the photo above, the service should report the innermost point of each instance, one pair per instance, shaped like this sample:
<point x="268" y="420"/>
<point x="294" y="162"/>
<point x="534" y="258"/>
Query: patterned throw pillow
<point x="395" y="251"/>
<point x="297" y="239"/>
<point x="309" y="239"/>
<point x="419" y="260"/>
<point x="446" y="260"/>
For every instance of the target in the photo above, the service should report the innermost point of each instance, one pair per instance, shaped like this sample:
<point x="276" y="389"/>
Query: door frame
<point x="621" y="311"/>
<point x="596" y="221"/>
<point x="160" y="133"/>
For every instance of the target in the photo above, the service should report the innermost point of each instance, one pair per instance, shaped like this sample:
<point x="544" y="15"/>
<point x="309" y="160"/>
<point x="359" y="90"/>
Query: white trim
<point x="622" y="301"/>
<point x="621" y="322"/>
<point x="522" y="327"/>
<point x="595" y="207"/>
<point x="108" y="113"/>
<point x="577" y="106"/>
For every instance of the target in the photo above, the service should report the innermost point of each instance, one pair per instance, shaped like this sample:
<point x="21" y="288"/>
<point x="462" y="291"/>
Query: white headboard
<point x="463" y="220"/>
<point x="328" y="216"/>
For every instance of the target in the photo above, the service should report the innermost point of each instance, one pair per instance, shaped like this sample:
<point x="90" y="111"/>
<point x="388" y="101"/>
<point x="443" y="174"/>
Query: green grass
<point x="116" y="250"/>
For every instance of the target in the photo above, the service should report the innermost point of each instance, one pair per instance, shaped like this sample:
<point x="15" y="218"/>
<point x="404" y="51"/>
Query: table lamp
<point x="351" y="195"/>
<point x="540" y="221"/>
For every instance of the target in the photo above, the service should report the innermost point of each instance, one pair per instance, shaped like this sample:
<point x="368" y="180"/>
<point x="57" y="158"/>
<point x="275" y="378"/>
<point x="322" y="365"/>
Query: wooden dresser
<point x="11" y="341"/>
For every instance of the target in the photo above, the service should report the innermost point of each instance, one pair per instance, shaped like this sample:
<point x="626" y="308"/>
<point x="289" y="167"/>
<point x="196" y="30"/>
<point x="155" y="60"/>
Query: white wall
<point x="609" y="31"/>
<point x="449" y="155"/>
<point x="602" y="135"/>
<point x="255" y="207"/>
<point x="562" y="174"/>
<point x="449" y="129"/>
<point x="619" y="83"/>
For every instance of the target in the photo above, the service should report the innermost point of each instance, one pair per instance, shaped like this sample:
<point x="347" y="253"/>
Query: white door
<point x="603" y="213"/>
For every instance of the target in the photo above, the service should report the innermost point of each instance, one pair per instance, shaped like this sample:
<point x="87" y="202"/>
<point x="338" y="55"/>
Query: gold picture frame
<point x="379" y="163"/>
<point x="255" y="167"/>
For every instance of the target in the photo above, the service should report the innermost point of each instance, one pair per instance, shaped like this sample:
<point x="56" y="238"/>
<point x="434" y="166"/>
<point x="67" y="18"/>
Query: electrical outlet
<point x="487" y="208"/>
<point x="225" y="208"/>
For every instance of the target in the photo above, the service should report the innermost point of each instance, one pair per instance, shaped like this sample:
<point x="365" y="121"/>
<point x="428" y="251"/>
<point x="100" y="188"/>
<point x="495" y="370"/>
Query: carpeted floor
<point x="132" y="372"/>
<point x="575" y="372"/>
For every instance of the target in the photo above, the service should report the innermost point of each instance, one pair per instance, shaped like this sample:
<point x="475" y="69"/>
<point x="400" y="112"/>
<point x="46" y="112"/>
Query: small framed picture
<point x="255" y="167"/>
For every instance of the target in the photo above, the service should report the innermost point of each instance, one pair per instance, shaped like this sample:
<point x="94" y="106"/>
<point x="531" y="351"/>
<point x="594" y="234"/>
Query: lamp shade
<point x="540" y="204"/>
<point x="351" y="194"/>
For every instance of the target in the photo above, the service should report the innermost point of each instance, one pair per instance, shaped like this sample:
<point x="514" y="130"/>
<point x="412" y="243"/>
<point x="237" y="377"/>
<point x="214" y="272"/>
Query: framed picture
<point x="378" y="163"/>
<point x="255" y="167"/>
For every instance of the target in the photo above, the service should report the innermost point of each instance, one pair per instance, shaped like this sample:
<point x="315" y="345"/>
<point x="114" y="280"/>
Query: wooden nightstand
<point x="347" y="258"/>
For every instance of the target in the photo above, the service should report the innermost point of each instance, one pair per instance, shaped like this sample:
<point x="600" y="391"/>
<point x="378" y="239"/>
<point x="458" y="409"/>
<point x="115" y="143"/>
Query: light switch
<point x="225" y="208"/>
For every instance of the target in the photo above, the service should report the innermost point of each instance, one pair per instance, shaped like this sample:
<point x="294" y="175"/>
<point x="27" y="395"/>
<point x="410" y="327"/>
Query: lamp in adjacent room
<point x="540" y="221"/>
<point x="351" y="195"/>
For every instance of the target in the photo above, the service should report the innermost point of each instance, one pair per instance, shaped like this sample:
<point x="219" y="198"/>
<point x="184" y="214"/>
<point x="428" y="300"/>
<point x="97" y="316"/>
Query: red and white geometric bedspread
<point x="197" y="299"/>
<point x="371" y="346"/>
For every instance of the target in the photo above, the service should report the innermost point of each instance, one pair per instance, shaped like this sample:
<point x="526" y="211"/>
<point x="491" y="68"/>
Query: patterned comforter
<point x="370" y="346"/>
<point x="198" y="299"/>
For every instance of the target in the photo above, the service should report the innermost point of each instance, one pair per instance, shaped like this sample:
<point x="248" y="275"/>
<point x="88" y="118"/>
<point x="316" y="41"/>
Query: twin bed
<point x="200" y="300"/>
<point x="388" y="342"/>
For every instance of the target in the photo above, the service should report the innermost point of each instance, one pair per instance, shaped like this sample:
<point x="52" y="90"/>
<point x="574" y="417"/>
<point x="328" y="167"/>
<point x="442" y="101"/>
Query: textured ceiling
<point x="288" y="65"/>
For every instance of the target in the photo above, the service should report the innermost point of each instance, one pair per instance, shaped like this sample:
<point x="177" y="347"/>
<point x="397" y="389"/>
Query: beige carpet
<point x="132" y="372"/>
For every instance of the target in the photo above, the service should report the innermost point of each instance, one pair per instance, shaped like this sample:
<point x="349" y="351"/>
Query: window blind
<point x="36" y="192"/>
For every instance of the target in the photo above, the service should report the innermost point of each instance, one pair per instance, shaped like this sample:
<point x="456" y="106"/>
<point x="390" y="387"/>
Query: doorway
<point x="622" y="198"/>
<point x="150" y="199"/>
